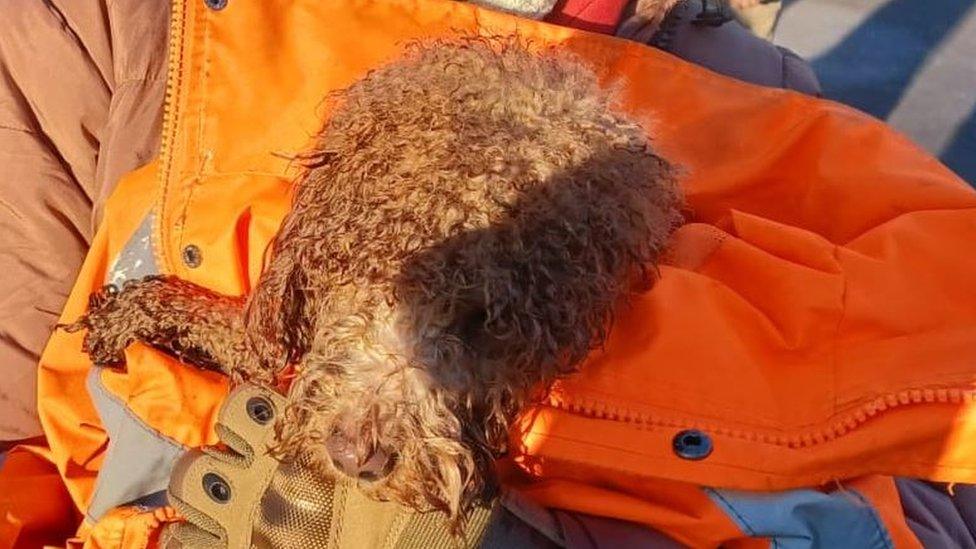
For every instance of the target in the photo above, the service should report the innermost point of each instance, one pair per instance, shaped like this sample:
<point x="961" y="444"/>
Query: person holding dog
<point x="800" y="371"/>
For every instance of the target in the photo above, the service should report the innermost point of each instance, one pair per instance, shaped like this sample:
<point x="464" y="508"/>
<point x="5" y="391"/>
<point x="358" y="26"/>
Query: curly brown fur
<point x="469" y="219"/>
<point x="197" y="325"/>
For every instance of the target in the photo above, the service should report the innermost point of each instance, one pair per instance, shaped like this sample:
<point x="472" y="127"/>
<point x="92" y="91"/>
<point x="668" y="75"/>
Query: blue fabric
<point x="805" y="518"/>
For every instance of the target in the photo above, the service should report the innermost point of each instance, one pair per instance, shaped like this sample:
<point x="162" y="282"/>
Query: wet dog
<point x="466" y="224"/>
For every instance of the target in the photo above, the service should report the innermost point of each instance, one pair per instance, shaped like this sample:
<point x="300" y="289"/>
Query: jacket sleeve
<point x="53" y="108"/>
<point x="72" y="121"/>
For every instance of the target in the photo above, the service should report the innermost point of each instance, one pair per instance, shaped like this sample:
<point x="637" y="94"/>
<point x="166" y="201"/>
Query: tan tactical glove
<point x="241" y="496"/>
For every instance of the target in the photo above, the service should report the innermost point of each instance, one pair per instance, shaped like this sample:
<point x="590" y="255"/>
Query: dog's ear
<point x="530" y="295"/>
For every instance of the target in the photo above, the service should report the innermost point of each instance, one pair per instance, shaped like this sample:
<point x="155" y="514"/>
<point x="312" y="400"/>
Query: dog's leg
<point x="196" y="325"/>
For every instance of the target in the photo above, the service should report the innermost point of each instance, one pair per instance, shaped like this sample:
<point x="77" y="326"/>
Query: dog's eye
<point x="471" y="326"/>
<point x="369" y="476"/>
<point x="479" y="338"/>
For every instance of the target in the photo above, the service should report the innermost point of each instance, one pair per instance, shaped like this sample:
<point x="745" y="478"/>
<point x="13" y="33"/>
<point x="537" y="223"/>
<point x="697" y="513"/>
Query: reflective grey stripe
<point x="137" y="259"/>
<point x="139" y="459"/>
<point x="805" y="518"/>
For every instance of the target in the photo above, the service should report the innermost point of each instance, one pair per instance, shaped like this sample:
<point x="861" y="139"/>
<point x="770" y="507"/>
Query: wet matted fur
<point x="468" y="220"/>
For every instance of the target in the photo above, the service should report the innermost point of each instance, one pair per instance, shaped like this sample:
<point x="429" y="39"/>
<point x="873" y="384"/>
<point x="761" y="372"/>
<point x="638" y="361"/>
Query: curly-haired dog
<point x="468" y="220"/>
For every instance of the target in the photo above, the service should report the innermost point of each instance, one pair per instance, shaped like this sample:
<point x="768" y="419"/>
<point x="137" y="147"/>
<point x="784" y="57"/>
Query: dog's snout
<point x="369" y="466"/>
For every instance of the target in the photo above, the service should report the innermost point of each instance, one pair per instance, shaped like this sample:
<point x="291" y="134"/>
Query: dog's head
<point x="470" y="217"/>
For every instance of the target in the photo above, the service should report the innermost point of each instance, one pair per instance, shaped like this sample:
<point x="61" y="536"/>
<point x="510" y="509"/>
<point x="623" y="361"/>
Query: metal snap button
<point x="192" y="257"/>
<point x="216" y="5"/>
<point x="216" y="487"/>
<point x="260" y="410"/>
<point x="692" y="444"/>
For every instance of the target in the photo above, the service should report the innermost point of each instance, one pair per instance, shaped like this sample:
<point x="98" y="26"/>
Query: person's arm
<point x="53" y="107"/>
<point x="81" y="88"/>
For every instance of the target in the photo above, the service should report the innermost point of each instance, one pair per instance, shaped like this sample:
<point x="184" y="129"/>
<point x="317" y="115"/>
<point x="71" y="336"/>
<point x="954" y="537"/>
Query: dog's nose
<point x="347" y="459"/>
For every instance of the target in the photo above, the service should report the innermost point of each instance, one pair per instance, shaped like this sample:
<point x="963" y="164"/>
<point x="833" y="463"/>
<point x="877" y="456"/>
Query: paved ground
<point x="910" y="62"/>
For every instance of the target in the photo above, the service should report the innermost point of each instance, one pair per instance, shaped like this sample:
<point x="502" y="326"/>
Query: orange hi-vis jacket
<point x="815" y="323"/>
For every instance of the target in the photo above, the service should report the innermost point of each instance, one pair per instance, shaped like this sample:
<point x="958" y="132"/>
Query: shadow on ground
<point x="875" y="63"/>
<point x="960" y="155"/>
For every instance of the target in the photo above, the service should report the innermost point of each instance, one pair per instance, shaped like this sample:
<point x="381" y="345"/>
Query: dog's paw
<point x="108" y="330"/>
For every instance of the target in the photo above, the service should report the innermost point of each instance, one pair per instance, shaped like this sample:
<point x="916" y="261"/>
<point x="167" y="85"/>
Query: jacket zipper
<point x="595" y="409"/>
<point x="174" y="69"/>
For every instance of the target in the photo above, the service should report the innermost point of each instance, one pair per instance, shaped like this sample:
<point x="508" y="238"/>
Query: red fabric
<point x="589" y="15"/>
